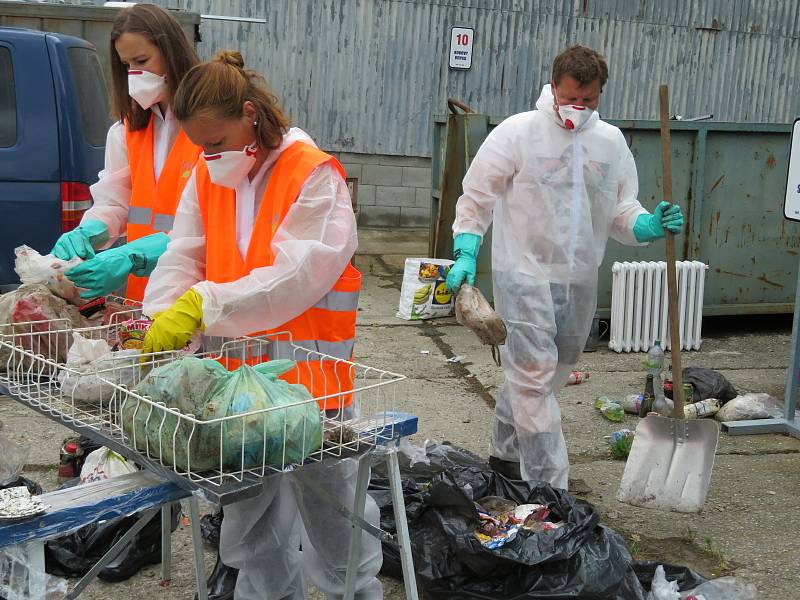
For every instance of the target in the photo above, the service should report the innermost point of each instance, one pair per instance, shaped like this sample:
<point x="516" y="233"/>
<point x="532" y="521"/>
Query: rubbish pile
<point x="455" y="503"/>
<point x="501" y="520"/>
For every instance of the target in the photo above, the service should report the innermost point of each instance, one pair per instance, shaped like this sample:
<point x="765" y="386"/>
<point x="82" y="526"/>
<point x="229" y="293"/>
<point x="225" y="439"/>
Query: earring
<point x="255" y="122"/>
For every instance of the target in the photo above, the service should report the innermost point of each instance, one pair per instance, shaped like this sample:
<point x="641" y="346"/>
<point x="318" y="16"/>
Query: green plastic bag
<point x="204" y="389"/>
<point x="280" y="436"/>
<point x="185" y="385"/>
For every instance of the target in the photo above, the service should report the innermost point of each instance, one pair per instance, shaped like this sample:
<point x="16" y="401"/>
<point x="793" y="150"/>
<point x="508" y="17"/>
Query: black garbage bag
<point x="33" y="487"/>
<point x="686" y="578"/>
<point x="708" y="383"/>
<point x="417" y="469"/>
<point x="581" y="560"/>
<point x="210" y="526"/>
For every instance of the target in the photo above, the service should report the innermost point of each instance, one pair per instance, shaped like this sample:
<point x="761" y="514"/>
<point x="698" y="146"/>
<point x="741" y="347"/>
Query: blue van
<point x="54" y="116"/>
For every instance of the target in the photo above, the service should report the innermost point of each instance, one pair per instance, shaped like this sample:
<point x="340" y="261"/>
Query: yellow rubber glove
<point x="173" y="328"/>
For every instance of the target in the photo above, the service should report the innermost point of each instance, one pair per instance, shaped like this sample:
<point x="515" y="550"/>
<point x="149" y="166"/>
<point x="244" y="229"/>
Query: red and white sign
<point x="461" y="47"/>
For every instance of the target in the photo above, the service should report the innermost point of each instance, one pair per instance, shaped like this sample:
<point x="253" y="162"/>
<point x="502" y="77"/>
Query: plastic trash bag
<point x="708" y="383"/>
<point x="12" y="460"/>
<point x="204" y="389"/>
<point x="18" y="577"/>
<point x="48" y="270"/>
<point x="724" y="588"/>
<point x="661" y="588"/>
<point x="210" y="527"/>
<point x="424" y="294"/>
<point x="417" y="472"/>
<point x="279" y="437"/>
<point x="749" y="406"/>
<point x="104" y="463"/>
<point x="581" y="560"/>
<point x="91" y="364"/>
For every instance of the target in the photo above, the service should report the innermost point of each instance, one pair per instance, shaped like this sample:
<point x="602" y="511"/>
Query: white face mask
<point x="573" y="116"/>
<point x="146" y="88"/>
<point x="229" y="168"/>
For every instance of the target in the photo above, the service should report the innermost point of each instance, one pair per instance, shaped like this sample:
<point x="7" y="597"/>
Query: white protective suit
<point x="313" y="244"/>
<point x="112" y="192"/>
<point x="555" y="197"/>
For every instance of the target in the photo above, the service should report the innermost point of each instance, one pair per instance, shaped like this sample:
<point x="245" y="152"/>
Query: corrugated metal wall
<point x="367" y="75"/>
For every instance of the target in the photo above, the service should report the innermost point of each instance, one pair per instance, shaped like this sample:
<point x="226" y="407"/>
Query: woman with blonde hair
<point x="263" y="241"/>
<point x="148" y="158"/>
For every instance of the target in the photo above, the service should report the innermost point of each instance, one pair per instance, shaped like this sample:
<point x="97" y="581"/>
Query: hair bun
<point x="230" y="57"/>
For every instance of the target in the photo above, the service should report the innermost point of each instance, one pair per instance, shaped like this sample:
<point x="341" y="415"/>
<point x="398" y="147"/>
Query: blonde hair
<point x="219" y="88"/>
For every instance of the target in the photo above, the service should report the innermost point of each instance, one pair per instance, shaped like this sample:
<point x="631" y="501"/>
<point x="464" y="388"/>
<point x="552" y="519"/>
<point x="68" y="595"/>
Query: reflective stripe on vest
<point x="153" y="203"/>
<point x="339" y="301"/>
<point x="324" y="334"/>
<point x="139" y="215"/>
<point x="163" y="222"/>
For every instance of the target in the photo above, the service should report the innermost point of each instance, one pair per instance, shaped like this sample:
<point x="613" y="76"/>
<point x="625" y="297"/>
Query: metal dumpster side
<point x="91" y="23"/>
<point x="728" y="177"/>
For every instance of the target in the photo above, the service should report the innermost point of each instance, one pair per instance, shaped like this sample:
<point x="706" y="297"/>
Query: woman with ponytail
<point x="263" y="241"/>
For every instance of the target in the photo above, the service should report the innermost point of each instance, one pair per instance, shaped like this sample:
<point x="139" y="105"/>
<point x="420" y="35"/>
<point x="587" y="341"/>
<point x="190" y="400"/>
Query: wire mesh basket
<point x="33" y="365"/>
<point x="225" y="439"/>
<point x="351" y="410"/>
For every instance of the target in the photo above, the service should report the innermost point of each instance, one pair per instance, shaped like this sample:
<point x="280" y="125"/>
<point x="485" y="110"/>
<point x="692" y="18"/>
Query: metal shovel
<point x="671" y="459"/>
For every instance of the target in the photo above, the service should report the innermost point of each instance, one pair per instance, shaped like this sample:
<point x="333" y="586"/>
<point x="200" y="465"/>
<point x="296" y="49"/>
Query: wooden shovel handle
<point x="672" y="279"/>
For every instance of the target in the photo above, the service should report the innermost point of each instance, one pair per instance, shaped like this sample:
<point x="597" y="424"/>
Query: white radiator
<point x="639" y="313"/>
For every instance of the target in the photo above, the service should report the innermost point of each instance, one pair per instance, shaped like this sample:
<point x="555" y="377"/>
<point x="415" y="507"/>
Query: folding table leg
<point x="37" y="578"/>
<point x="197" y="544"/>
<point x="403" y="540"/>
<point x="166" y="543"/>
<point x="354" y="553"/>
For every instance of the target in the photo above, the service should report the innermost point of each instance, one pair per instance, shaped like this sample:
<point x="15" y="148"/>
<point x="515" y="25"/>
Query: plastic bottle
<point x="577" y="377"/>
<point x="704" y="408"/>
<point x="649" y="397"/>
<point x="632" y="403"/>
<point x="654" y="363"/>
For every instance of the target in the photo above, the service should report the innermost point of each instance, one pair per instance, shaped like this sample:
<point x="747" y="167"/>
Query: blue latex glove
<point x="465" y="251"/>
<point x="109" y="270"/>
<point x="652" y="227"/>
<point x="81" y="241"/>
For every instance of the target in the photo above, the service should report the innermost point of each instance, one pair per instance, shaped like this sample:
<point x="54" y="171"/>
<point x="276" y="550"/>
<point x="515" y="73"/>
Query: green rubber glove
<point x="465" y="251"/>
<point x="109" y="270"/>
<point x="174" y="328"/>
<point x="652" y="227"/>
<point x="82" y="241"/>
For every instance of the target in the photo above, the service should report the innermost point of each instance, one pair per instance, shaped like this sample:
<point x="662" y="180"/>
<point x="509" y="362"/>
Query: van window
<point x="8" y="101"/>
<point x="92" y="94"/>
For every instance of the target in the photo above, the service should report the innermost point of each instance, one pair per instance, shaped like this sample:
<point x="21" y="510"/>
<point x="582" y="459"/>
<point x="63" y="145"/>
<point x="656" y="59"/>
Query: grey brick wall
<point x="393" y="191"/>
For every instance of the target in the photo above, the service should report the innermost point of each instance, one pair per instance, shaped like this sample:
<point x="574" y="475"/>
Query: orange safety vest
<point x="329" y="327"/>
<point x="153" y="203"/>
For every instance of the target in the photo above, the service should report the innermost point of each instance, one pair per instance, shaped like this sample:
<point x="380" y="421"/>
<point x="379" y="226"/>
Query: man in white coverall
<point x="557" y="182"/>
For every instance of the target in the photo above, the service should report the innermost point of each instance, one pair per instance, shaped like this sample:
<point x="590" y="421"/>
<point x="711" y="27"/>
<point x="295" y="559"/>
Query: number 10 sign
<point x="461" y="47"/>
<point x="791" y="205"/>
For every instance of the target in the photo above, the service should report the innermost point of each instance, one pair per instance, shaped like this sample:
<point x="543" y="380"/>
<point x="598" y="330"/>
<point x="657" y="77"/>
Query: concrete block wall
<point x="393" y="191"/>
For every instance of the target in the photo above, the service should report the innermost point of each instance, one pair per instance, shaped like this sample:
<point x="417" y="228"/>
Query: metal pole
<point x="166" y="542"/>
<point x="197" y="544"/>
<point x="403" y="539"/>
<point x="354" y="553"/>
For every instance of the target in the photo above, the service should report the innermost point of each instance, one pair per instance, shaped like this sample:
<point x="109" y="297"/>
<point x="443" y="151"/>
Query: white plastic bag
<point x="32" y="267"/>
<point x="661" y="589"/>
<point x="749" y="406"/>
<point x="424" y="294"/>
<point x="91" y="365"/>
<point x="724" y="588"/>
<point x="104" y="463"/>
